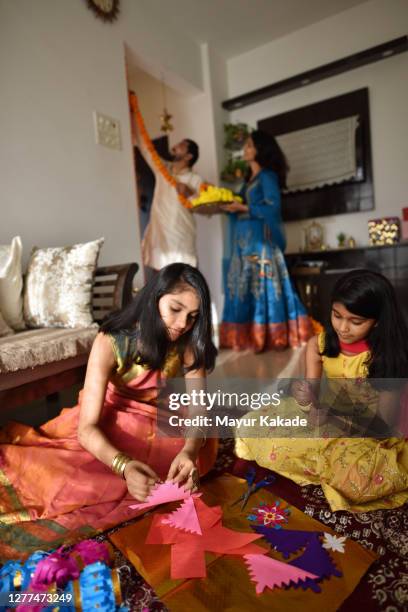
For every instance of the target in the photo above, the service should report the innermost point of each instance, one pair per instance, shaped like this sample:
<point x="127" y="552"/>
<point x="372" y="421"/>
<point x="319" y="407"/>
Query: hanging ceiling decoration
<point x="165" y="118"/>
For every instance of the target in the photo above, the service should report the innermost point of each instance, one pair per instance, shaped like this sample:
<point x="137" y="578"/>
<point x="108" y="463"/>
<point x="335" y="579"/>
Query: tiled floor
<point x="272" y="364"/>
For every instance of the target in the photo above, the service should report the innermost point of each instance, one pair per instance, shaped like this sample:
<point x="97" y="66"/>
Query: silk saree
<point x="53" y="491"/>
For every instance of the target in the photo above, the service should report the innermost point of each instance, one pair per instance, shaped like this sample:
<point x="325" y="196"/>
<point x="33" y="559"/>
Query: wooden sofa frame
<point x="112" y="290"/>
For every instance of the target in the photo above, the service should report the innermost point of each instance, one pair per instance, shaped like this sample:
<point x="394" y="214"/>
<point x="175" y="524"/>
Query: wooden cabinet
<point x="315" y="273"/>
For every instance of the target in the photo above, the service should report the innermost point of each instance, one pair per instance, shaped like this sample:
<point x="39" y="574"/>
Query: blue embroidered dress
<point x="262" y="310"/>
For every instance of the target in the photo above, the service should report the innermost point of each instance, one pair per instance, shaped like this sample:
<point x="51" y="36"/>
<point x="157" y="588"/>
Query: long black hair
<point x="270" y="155"/>
<point x="370" y="295"/>
<point x="141" y="322"/>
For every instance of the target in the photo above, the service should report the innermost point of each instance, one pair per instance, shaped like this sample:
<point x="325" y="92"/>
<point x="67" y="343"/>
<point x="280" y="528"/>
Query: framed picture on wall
<point x="328" y="147"/>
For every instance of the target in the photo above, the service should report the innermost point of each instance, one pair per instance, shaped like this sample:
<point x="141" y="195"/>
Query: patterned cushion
<point x="58" y="287"/>
<point x="11" y="284"/>
<point x="36" y="347"/>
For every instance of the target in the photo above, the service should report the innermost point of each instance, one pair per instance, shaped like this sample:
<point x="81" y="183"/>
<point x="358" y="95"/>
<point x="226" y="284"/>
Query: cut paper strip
<point x="187" y="562"/>
<point x="317" y="560"/>
<point x="185" y="517"/>
<point x="164" y="493"/>
<point x="208" y="516"/>
<point x="286" y="541"/>
<point x="268" y="572"/>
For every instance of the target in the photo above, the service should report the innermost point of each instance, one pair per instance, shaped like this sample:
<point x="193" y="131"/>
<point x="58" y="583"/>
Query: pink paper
<point x="185" y="517"/>
<point x="164" y="493"/>
<point x="160" y="533"/>
<point x="268" y="572"/>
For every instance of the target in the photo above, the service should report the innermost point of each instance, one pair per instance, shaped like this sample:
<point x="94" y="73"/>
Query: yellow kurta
<point x="356" y="474"/>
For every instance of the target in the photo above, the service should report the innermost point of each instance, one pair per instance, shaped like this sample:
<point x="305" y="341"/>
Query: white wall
<point x="210" y="230"/>
<point x="354" y="30"/>
<point x="57" y="64"/>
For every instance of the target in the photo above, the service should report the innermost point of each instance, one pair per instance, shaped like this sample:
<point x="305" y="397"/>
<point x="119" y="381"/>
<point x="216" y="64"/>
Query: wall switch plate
<point x="107" y="131"/>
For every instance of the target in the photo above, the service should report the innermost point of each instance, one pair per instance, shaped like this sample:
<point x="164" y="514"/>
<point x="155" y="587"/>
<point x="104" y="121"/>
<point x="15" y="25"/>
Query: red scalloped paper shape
<point x="268" y="572"/>
<point x="188" y="549"/>
<point x="185" y="517"/>
<point x="164" y="493"/>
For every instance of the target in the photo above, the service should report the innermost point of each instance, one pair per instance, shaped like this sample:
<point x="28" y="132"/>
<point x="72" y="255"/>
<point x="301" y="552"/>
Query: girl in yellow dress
<point x="363" y="355"/>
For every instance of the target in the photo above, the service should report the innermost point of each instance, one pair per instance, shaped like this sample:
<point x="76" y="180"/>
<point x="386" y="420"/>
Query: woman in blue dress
<point x="262" y="310"/>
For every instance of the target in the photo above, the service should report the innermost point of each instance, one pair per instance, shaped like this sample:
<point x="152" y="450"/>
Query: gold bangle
<point x="119" y="462"/>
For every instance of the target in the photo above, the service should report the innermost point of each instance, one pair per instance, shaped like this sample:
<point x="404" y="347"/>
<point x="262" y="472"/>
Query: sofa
<point x="39" y="363"/>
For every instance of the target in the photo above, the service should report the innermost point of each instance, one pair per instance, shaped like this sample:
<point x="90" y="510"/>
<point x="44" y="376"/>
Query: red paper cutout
<point x="188" y="550"/>
<point x="207" y="515"/>
<point x="187" y="562"/>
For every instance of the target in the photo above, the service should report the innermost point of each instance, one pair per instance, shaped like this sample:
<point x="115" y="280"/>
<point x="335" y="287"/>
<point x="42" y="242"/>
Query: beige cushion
<point x="5" y="330"/>
<point x="35" y="347"/>
<point x="58" y="287"/>
<point x="11" y="283"/>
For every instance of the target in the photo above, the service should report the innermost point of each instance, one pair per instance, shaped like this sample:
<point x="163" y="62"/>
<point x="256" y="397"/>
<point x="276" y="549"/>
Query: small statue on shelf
<point x="314" y="237"/>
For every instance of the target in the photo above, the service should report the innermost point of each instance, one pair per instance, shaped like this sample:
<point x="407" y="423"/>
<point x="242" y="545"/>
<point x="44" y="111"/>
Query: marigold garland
<point x="150" y="147"/>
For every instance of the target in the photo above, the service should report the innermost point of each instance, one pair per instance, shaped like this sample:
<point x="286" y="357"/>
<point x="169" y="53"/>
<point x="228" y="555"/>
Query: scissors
<point x="253" y="486"/>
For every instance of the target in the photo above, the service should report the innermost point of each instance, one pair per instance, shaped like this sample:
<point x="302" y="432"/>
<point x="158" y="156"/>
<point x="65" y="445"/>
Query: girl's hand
<point x="302" y="392"/>
<point x="183" y="469"/>
<point x="140" y="478"/>
<point x="235" y="206"/>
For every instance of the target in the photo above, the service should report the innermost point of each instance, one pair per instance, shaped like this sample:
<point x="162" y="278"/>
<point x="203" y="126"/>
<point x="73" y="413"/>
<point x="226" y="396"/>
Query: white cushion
<point x="58" y="285"/>
<point x="5" y="330"/>
<point x="11" y="284"/>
